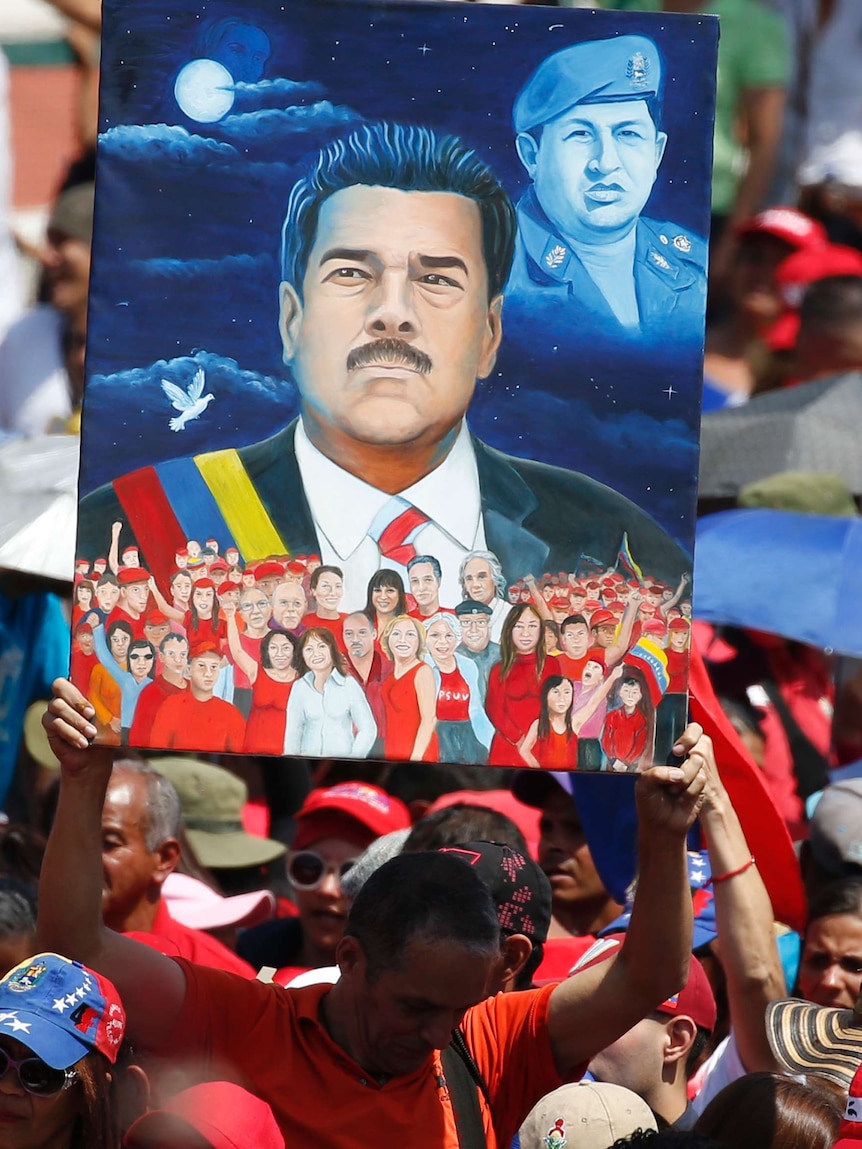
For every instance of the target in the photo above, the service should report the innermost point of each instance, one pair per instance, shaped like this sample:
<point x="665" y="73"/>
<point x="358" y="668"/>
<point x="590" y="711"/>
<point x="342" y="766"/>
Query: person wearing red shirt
<point x="134" y="595"/>
<point x="366" y="663"/>
<point x="421" y="948"/>
<point x="195" y="719"/>
<point x="84" y="659"/>
<point x="514" y="685"/>
<point x="629" y="728"/>
<point x="677" y="654"/>
<point x="140" y="823"/>
<point x="575" y="644"/>
<point x="327" y="586"/>
<point x="171" y="679"/>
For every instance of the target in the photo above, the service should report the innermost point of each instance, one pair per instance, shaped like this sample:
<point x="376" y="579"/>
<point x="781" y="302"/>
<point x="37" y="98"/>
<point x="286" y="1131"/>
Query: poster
<point x="393" y="380"/>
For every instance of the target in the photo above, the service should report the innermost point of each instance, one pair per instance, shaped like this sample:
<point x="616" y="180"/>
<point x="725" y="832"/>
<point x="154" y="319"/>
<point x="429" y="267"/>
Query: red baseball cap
<point x="219" y="564"/>
<point x="268" y="570"/>
<point x="205" y="646"/>
<point x="156" y="618"/>
<point x="218" y="1114"/>
<point x="679" y="624"/>
<point x="349" y="808"/>
<point x="798" y="272"/>
<point x="694" y="1000"/>
<point x="227" y="587"/>
<point x="602" y="618"/>
<point x="591" y="604"/>
<point x="654" y="626"/>
<point x="204" y="584"/>
<point x="798" y="230"/>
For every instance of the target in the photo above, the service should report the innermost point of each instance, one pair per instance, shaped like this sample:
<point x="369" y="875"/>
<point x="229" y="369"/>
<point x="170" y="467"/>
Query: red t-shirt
<point x="336" y="625"/>
<point x="185" y="723"/>
<point x="573" y="668"/>
<point x="147" y="707"/>
<point x="169" y="937"/>
<point x="453" y="698"/>
<point x="274" y="1042"/>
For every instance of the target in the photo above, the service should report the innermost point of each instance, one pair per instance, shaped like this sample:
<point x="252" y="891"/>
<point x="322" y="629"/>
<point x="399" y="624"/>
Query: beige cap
<point x="36" y="738"/>
<point x="587" y="1115"/>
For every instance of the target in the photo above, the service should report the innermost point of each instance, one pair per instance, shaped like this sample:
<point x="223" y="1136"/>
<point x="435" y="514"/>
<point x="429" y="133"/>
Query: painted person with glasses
<point x="333" y="827"/>
<point x="133" y="679"/>
<point x="62" y="1027"/>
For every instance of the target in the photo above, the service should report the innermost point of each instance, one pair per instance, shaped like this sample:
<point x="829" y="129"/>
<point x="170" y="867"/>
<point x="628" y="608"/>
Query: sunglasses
<point x="306" y="869"/>
<point x="37" y="1077"/>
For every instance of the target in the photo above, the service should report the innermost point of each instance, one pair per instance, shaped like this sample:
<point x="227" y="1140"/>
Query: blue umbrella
<point x="794" y="575"/>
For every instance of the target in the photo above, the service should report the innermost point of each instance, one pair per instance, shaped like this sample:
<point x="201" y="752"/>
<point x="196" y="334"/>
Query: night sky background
<point x="188" y="217"/>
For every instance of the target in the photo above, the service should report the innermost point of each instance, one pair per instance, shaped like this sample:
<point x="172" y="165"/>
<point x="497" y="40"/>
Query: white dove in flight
<point x="191" y="403"/>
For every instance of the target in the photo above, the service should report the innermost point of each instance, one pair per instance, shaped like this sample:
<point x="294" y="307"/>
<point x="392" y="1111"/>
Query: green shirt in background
<point x="753" y="52"/>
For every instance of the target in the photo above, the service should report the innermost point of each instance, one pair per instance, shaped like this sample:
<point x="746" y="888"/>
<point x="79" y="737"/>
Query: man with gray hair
<point x="141" y="827"/>
<point x="482" y="580"/>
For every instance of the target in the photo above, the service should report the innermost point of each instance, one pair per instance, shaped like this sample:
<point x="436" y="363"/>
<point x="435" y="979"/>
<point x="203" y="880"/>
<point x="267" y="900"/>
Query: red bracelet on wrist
<point x="731" y="873"/>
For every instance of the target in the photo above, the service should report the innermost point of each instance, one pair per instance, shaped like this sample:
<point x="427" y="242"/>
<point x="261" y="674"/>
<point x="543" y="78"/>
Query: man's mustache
<point x="389" y="351"/>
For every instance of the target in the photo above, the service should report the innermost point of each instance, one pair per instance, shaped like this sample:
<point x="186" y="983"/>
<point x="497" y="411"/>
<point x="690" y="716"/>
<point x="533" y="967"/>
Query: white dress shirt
<point x="334" y="723"/>
<point x="344" y="506"/>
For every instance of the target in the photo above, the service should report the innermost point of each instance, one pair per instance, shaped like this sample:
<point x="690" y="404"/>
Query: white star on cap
<point x="79" y="993"/>
<point x="15" y="1025"/>
<point x="60" y="1005"/>
<point x="8" y="1013"/>
<point x="70" y="998"/>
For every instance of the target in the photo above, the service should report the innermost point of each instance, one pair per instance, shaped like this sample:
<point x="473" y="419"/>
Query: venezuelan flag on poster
<point x="625" y="560"/>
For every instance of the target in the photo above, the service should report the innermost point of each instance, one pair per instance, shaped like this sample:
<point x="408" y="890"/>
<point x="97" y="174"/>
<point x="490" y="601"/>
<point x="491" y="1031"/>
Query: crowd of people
<point x="562" y="672"/>
<point x="360" y="942"/>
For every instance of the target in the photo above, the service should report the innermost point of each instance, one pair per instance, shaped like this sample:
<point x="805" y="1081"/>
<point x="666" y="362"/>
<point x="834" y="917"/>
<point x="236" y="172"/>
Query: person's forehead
<point x="477" y="567"/>
<point x="126" y="798"/>
<point x="414" y="976"/>
<point x="392" y="225"/>
<point x="612" y="114"/>
<point x="205" y="662"/>
<point x="421" y="570"/>
<point x="356" y="622"/>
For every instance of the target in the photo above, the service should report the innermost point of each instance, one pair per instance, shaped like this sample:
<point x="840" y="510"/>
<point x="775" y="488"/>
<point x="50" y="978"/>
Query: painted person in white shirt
<point x="327" y="713"/>
<point x="482" y="579"/>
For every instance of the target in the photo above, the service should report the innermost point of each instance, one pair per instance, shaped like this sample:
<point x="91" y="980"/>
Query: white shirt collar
<point x="449" y="495"/>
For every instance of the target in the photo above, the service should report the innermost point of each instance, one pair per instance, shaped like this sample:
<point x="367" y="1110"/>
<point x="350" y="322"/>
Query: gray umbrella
<point x="811" y="427"/>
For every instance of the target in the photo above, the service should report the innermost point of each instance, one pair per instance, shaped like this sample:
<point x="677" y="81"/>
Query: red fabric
<point x="526" y="818"/>
<point x="264" y="731"/>
<point x="151" y="517"/>
<point x="178" y="941"/>
<point x="286" y="974"/>
<point x="147" y="707"/>
<point x="403" y="717"/>
<point x="185" y="723"/>
<point x="137" y="624"/>
<point x="558" y="957"/>
<point x="241" y="681"/>
<point x="381" y="668"/>
<point x="453" y="698"/>
<point x="677" y="669"/>
<point x="557" y="752"/>
<point x="513" y="705"/>
<point x="762" y="824"/>
<point x="207" y="630"/>
<point x="275" y="1043"/>
<point x="573" y="668"/>
<point x="625" y="736"/>
<point x="335" y="625"/>
<point x="82" y="667"/>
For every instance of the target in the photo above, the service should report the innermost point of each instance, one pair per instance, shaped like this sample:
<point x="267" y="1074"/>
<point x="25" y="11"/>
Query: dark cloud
<point x="155" y="143"/>
<point x="273" y="124"/>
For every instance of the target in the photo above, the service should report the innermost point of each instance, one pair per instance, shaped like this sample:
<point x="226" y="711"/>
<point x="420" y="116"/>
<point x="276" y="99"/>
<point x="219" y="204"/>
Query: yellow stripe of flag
<point x="240" y="504"/>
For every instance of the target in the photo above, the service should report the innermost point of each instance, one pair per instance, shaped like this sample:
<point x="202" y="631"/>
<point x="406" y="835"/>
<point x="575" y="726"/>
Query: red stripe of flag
<point x="153" y="522"/>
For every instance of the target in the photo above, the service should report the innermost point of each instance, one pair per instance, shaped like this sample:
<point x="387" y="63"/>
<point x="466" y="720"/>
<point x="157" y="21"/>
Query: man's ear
<point x="681" y="1035"/>
<point x="168" y="858"/>
<point x="289" y="320"/>
<point x="528" y="151"/>
<point x="660" y="145"/>
<point x="517" y="949"/>
<point x="493" y="336"/>
<point x="350" y="958"/>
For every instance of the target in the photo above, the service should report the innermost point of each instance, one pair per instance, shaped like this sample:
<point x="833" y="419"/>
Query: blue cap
<point x="61" y="1010"/>
<point x="596" y="72"/>
<point x="471" y="606"/>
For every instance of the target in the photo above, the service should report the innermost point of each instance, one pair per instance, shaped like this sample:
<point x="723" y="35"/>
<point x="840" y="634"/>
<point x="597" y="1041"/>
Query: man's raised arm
<point x="591" y="1009"/>
<point x="151" y="986"/>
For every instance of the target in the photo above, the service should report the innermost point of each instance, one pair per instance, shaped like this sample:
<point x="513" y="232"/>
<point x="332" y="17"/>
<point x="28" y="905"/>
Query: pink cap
<point x="194" y="904"/>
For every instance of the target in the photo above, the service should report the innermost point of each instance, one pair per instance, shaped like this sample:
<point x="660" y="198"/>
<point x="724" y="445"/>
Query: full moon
<point x="204" y="91"/>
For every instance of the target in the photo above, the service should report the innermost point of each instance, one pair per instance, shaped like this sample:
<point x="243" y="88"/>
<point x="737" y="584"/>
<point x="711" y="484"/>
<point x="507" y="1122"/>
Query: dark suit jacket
<point x="537" y="517"/>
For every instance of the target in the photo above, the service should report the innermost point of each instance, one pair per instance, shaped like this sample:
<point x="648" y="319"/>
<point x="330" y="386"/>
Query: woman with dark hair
<point x="408" y="694"/>
<point x="514" y="684"/>
<point x="629" y="730"/>
<point x="328" y="715"/>
<point x="57" y="1082"/>
<point x="264" y="731"/>
<point x="104" y="690"/>
<point x="769" y="1111"/>
<point x="386" y="598"/>
<point x="830" y="965"/>
<point x="84" y="596"/>
<point x="141" y="663"/>
<point x="552" y="740"/>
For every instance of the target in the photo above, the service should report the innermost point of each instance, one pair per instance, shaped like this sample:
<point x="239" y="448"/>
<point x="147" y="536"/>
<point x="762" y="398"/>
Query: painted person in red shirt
<point x="421" y="949"/>
<point x="195" y="719"/>
<point x="514" y="685"/>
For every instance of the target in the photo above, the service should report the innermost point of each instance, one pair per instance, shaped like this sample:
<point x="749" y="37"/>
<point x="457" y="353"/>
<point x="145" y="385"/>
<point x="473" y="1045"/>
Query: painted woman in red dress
<point x="409" y="695"/>
<point x="273" y="680"/>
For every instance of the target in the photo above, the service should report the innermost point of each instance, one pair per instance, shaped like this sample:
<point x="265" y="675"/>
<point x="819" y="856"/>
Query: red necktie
<point x="395" y="527"/>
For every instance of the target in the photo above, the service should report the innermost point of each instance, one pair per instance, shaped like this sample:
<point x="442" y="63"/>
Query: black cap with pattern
<point x="519" y="887"/>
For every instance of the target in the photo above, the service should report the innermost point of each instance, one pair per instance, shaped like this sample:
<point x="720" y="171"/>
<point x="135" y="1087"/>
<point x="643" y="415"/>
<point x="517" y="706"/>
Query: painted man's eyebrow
<point x="442" y="262"/>
<point x="346" y="255"/>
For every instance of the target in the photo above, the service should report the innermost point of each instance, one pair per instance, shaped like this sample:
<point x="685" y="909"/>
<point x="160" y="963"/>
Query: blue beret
<point x="595" y="72"/>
